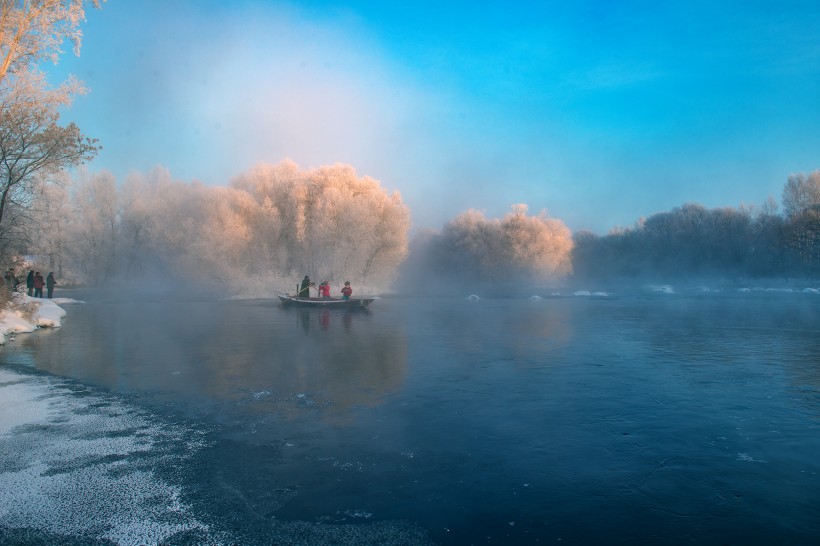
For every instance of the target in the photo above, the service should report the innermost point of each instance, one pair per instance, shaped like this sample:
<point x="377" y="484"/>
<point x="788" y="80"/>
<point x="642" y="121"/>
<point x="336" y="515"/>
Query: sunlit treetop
<point x="35" y="30"/>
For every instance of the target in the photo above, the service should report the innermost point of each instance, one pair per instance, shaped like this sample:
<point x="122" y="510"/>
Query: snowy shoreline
<point x="93" y="473"/>
<point x="86" y="476"/>
<point x="48" y="314"/>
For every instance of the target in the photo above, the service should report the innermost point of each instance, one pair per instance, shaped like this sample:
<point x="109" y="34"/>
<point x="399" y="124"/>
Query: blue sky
<point x="599" y="112"/>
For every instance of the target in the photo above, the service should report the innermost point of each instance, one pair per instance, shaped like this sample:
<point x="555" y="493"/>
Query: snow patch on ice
<point x="82" y="466"/>
<point x="661" y="288"/>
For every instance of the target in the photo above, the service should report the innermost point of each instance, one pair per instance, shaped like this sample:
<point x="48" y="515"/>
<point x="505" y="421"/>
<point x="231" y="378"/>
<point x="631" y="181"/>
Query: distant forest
<point x="276" y="223"/>
<point x="692" y="241"/>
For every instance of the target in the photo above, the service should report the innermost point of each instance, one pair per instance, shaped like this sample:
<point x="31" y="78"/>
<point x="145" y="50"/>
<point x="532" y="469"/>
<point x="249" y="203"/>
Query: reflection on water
<point x="245" y="353"/>
<point x="325" y="318"/>
<point x="664" y="419"/>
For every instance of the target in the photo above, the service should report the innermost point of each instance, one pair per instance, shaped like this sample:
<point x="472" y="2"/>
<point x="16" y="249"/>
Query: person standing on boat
<point x="304" y="291"/>
<point x="347" y="291"/>
<point x="324" y="289"/>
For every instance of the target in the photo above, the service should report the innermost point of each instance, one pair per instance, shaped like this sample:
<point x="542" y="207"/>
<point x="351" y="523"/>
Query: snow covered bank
<point x="26" y="314"/>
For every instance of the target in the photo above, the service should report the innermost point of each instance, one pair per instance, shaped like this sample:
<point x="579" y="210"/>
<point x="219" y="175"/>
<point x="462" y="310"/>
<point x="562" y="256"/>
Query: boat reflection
<point x="325" y="319"/>
<point x="257" y="359"/>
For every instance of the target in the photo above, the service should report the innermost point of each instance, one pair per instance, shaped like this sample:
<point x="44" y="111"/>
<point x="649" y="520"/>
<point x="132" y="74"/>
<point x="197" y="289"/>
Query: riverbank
<point x="25" y="314"/>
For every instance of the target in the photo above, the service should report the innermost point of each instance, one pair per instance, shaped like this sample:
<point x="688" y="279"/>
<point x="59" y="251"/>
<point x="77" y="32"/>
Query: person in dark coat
<point x="304" y="291"/>
<point x="11" y="280"/>
<point x="30" y="282"/>
<point x="50" y="284"/>
<point x="39" y="283"/>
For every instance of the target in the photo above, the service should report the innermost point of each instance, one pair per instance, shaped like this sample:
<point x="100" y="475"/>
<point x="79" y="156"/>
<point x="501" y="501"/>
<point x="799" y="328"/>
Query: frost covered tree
<point x="51" y="214"/>
<point x="327" y="222"/>
<point x="34" y="30"/>
<point x="801" y="192"/>
<point x="163" y="224"/>
<point x="513" y="254"/>
<point x="802" y="237"/>
<point x="538" y="245"/>
<point x="33" y="145"/>
<point x="136" y="223"/>
<point x="94" y="227"/>
<point x="272" y="223"/>
<point x="692" y="241"/>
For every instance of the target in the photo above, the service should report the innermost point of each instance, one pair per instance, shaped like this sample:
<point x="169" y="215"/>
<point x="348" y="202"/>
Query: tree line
<point x="730" y="243"/>
<point x="269" y="224"/>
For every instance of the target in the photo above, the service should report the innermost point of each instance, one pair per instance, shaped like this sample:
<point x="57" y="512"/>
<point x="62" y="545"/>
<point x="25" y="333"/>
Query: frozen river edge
<point x="79" y="465"/>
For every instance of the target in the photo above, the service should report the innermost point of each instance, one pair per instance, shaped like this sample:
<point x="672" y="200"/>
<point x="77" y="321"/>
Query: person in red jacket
<point x="346" y="291"/>
<point x="324" y="289"/>
<point x="39" y="284"/>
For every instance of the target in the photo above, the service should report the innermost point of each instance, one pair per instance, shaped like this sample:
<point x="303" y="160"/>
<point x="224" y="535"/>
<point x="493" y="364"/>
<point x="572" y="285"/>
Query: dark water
<point x="664" y="419"/>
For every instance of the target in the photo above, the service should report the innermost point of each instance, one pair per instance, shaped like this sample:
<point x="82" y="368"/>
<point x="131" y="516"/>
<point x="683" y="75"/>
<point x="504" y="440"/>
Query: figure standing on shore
<point x="39" y="283"/>
<point x="30" y="282"/>
<point x="50" y="284"/>
<point x="11" y="280"/>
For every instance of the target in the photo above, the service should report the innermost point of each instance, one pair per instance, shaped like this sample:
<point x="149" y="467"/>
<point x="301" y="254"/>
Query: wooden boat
<point x="327" y="303"/>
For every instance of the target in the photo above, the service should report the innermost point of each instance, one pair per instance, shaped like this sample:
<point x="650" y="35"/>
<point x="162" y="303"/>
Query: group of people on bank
<point x="323" y="289"/>
<point x="34" y="283"/>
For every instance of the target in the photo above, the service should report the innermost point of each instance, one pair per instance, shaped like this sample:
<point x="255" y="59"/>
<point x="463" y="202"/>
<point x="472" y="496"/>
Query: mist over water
<point x="653" y="417"/>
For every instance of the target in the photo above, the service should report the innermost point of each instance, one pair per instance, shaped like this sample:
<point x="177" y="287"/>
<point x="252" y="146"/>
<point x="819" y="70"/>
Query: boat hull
<point x="326" y="303"/>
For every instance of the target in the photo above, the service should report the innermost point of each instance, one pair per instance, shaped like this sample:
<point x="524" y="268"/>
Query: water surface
<point x="664" y="419"/>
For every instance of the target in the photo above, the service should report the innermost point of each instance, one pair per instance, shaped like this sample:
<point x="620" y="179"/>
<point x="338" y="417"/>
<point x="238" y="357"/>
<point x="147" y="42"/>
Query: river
<point x="645" y="418"/>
